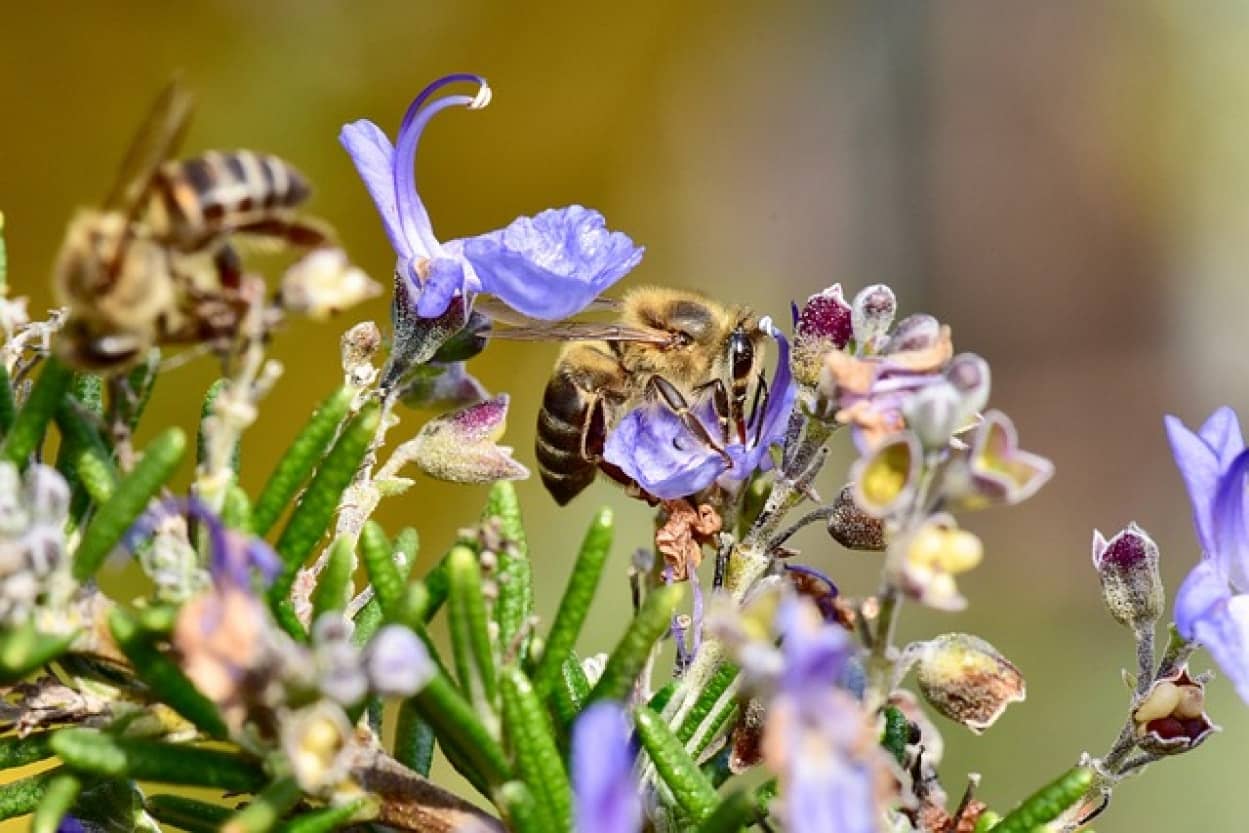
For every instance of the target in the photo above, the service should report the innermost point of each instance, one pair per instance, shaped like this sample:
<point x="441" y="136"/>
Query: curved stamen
<point x="412" y="214"/>
<point x="435" y="86"/>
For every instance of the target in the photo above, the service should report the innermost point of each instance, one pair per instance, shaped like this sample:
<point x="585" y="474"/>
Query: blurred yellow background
<point x="1065" y="183"/>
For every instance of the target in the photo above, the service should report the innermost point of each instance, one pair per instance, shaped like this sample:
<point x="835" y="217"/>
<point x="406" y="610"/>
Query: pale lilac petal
<point x="1200" y="467"/>
<point x="553" y="265"/>
<point x="1203" y="589"/>
<point x="654" y="448"/>
<point x="1221" y="431"/>
<point x="446" y="278"/>
<point x="374" y="158"/>
<point x="1229" y="530"/>
<point x="830" y="795"/>
<point x="605" y="790"/>
<point x="1224" y="632"/>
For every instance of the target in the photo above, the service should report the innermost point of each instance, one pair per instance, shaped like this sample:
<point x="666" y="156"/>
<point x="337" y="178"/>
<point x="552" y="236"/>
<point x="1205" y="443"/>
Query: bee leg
<point x="759" y="407"/>
<point x="229" y="267"/>
<point x="668" y="393"/>
<point x="722" y="407"/>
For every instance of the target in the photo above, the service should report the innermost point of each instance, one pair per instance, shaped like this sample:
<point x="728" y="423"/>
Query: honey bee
<point x="154" y="264"/>
<point x="671" y="345"/>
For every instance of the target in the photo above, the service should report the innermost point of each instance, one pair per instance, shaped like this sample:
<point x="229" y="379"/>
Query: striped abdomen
<point x="572" y="424"/>
<point x="195" y="201"/>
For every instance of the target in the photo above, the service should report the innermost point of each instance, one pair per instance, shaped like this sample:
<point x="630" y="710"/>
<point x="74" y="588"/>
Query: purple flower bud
<point x="825" y="316"/>
<point x="1132" y="588"/>
<point x="397" y="662"/>
<point x="872" y="313"/>
<point x="460" y="446"/>
<point x="915" y="332"/>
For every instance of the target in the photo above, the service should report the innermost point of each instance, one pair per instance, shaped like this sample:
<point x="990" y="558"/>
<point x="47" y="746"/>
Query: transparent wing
<point x="580" y="331"/>
<point x="498" y="311"/>
<point x="156" y="140"/>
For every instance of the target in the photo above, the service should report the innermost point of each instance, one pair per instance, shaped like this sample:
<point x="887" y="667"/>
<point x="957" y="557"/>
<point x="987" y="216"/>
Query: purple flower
<point x="549" y="266"/>
<point x="605" y="789"/>
<point x="661" y="454"/>
<point x="1212" y="606"/>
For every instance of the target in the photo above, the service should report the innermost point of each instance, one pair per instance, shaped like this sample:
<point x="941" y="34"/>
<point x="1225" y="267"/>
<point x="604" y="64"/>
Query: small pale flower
<point x="654" y="448"/>
<point x="33" y="511"/>
<point x="606" y="795"/>
<point x="884" y="479"/>
<point x="339" y="670"/>
<point x="460" y="447"/>
<point x="549" y="266"/>
<point x="931" y="559"/>
<point x="1171" y="717"/>
<point x="317" y="742"/>
<point x="966" y="679"/>
<point x="397" y="662"/>
<point x="1001" y="471"/>
<point x="324" y="282"/>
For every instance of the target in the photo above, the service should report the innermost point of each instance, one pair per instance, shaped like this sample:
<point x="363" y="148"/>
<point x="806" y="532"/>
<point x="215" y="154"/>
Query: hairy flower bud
<point x="460" y="447"/>
<point x="1132" y="588"/>
<point x="397" y="662"/>
<point x="1171" y="718"/>
<point x="358" y="347"/>
<point x="872" y="313"/>
<point x="913" y="333"/>
<point x="822" y="326"/>
<point x="966" y="679"/>
<point x="852" y="527"/>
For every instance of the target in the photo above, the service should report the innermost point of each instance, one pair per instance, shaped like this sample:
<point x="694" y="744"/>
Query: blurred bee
<point x="670" y="345"/>
<point x="154" y="265"/>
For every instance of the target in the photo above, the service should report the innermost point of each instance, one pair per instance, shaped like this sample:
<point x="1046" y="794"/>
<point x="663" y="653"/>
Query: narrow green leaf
<point x="187" y="813"/>
<point x="131" y="497"/>
<point x="708" y="699"/>
<point x="514" y="605"/>
<point x="1049" y="802"/>
<point x="236" y="511"/>
<point x="81" y="437"/>
<point x="379" y="561"/>
<point x="24" y="650"/>
<point x="98" y="476"/>
<point x="368" y="619"/>
<point x="520" y="809"/>
<point x="141" y="382"/>
<point x="660" y="699"/>
<point x="470" y="629"/>
<point x="413" y="605"/>
<point x="264" y="811"/>
<point x="414" y="739"/>
<point x="691" y="789"/>
<point x="575" y="604"/>
<point x="328" y="819"/>
<point x="31" y="421"/>
<point x="316" y="508"/>
<point x="299" y="460"/>
<point x="408" y="542"/>
<point x="8" y="407"/>
<point x="629" y="657"/>
<point x="438" y="583"/>
<point x="571" y="691"/>
<point x="60" y="795"/>
<point x="17" y="798"/>
<point x="987" y="821"/>
<point x="334" y="584"/>
<point x="897" y="730"/>
<point x="720" y="720"/>
<point x="93" y="751"/>
<point x="737" y="810"/>
<point x="532" y="741"/>
<point x="716" y="768"/>
<point x="16" y="751"/>
<point x="458" y="728"/>
<point x="163" y="676"/>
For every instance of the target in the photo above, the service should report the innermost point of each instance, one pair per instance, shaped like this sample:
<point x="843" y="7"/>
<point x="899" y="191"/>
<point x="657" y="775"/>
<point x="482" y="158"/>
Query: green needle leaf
<point x="93" y="751"/>
<point x="520" y="809"/>
<point x="460" y="731"/>
<point x="299" y="460"/>
<point x="571" y="691"/>
<point x="334" y="584"/>
<point x="408" y="542"/>
<point x="328" y="819"/>
<point x="709" y="699"/>
<point x="131" y="497"/>
<point x="23" y="650"/>
<point x="16" y="751"/>
<point x="736" y="811"/>
<point x="263" y="812"/>
<point x="18" y="798"/>
<point x="1049" y="802"/>
<point x="986" y="821"/>
<point x="98" y="476"/>
<point x="470" y="629"/>
<point x="897" y="730"/>
<point x="31" y="421"/>
<point x="316" y="508"/>
<point x="515" y="575"/>
<point x="141" y="381"/>
<point x="575" y="603"/>
<point x="368" y="619"/>
<point x="60" y="795"/>
<point x="163" y="676"/>
<point x="414" y="739"/>
<point x="379" y="561"/>
<point x="532" y="741"/>
<point x="187" y="813"/>
<point x="8" y="408"/>
<point x="629" y="657"/>
<point x="236" y="511"/>
<point x="691" y="789"/>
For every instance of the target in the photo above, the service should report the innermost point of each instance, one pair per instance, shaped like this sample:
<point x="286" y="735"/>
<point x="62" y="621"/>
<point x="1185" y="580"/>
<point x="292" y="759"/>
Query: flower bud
<point x="934" y="413"/>
<point x="1171" y="717"/>
<point x="871" y="315"/>
<point x="1132" y="588"/>
<point x="826" y="317"/>
<point x="853" y="528"/>
<point x="460" y="447"/>
<point x="913" y="333"/>
<point x="357" y="348"/>
<point x="967" y="680"/>
<point x="397" y="662"/>
<point x="969" y="374"/>
<point x="324" y="282"/>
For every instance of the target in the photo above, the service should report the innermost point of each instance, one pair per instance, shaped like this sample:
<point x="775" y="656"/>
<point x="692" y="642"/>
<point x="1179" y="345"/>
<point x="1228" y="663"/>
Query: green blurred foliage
<point x="1063" y="182"/>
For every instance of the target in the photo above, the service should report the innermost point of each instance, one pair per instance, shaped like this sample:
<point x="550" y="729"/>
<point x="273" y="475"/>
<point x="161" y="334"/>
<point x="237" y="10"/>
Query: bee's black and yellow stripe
<point x="572" y="422"/>
<point x="195" y="201"/>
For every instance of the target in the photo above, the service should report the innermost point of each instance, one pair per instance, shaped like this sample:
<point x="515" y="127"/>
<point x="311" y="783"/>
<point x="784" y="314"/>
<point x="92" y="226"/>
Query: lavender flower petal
<point x="374" y="157"/>
<point x="605" y="789"/>
<point x="654" y="448"/>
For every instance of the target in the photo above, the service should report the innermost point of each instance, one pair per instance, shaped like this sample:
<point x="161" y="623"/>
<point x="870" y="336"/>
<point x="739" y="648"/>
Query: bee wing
<point x="156" y="140"/>
<point x="498" y="311"/>
<point x="580" y="331"/>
